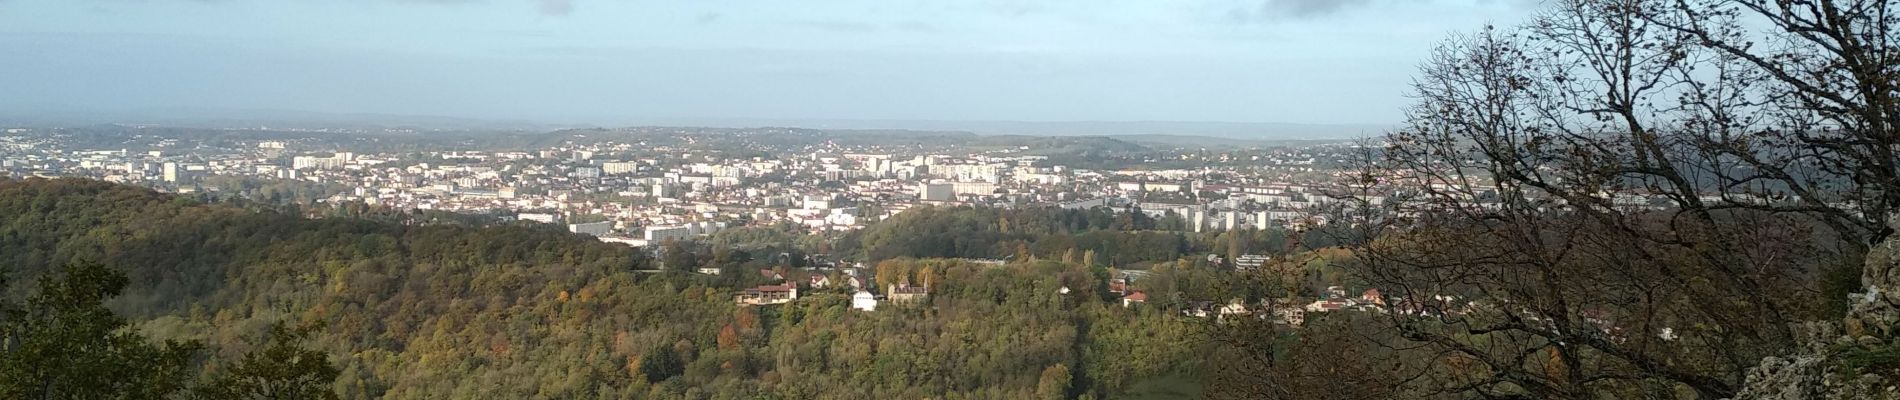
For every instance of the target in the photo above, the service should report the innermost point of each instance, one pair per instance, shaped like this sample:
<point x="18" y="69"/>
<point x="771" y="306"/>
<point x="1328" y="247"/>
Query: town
<point x="642" y="186"/>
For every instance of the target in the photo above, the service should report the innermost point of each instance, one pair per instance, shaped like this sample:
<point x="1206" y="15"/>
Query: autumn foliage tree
<point x="1632" y="198"/>
<point x="282" y="368"/>
<point x="63" y="343"/>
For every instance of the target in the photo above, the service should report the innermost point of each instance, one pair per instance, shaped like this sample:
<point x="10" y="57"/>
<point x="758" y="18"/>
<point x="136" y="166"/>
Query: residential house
<point x="864" y="300"/>
<point x="1335" y="292"/>
<point x="1132" y="298"/>
<point x="1372" y="297"/>
<point x="1198" y="309"/>
<point x="1234" y="308"/>
<point x="1288" y="312"/>
<point x="1249" y="262"/>
<point x="905" y="293"/>
<point x="768" y="295"/>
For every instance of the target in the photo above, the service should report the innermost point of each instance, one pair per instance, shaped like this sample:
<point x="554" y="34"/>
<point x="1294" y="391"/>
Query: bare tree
<point x="1632" y="198"/>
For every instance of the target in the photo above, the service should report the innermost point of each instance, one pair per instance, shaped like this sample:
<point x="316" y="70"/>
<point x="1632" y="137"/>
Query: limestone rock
<point x="1817" y="369"/>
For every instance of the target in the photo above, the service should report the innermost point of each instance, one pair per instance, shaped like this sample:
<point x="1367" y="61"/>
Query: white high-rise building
<point x="937" y="191"/>
<point x="174" y="172"/>
<point x="619" y="168"/>
<point x="336" y="161"/>
<point x="657" y="234"/>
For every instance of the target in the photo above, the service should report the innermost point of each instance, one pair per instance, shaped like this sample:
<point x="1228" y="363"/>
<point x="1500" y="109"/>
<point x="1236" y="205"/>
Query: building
<point x="335" y="161"/>
<point x="1134" y="298"/>
<point x="768" y="295"/>
<point x="1249" y="262"/>
<point x="1372" y="297"/>
<point x="1234" y="308"/>
<point x="1162" y="187"/>
<point x="936" y="191"/>
<point x="819" y="202"/>
<point x="623" y="240"/>
<point x="660" y="233"/>
<point x="175" y="173"/>
<point x="864" y="300"/>
<point x="1286" y="312"/>
<point x="619" y="168"/>
<point x="601" y="228"/>
<point x="906" y="293"/>
<point x="973" y="188"/>
<point x="537" y="217"/>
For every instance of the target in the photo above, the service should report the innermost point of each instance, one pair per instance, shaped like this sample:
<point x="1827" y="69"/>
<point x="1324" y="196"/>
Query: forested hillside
<point x="415" y="310"/>
<point x="1109" y="237"/>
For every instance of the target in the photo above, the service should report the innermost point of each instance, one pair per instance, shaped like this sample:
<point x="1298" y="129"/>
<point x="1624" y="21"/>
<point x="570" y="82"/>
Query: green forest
<point x="423" y="308"/>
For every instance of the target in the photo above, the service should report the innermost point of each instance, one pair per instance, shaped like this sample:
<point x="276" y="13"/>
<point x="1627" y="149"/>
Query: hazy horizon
<point x="53" y="116"/>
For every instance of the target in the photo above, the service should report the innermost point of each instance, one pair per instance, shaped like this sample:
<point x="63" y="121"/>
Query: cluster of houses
<point x="1286" y="311"/>
<point x="863" y="299"/>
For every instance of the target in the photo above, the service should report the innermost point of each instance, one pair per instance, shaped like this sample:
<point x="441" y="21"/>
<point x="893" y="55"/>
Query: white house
<point x="864" y="301"/>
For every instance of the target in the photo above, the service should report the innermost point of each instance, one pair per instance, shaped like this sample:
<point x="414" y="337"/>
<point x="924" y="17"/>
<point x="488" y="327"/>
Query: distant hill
<point x="1060" y="145"/>
<point x="793" y="137"/>
<point x="1223" y="130"/>
<point x="46" y="115"/>
<point x="1209" y="142"/>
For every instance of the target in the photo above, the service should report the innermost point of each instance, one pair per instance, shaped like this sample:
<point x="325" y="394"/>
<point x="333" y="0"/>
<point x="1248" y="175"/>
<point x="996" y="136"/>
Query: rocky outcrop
<point x="1817" y="371"/>
<point x="1877" y="311"/>
<point x="1830" y="364"/>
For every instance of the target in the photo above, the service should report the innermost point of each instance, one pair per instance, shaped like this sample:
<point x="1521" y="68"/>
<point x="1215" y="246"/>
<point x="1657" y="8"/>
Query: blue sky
<point x="1301" y="61"/>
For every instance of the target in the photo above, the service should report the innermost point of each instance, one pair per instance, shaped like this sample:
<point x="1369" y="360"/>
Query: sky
<point x="599" y="61"/>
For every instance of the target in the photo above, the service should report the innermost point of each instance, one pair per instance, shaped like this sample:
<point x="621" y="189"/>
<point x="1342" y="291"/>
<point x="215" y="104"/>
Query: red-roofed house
<point x="1372" y="296"/>
<point x="1132" y="298"/>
